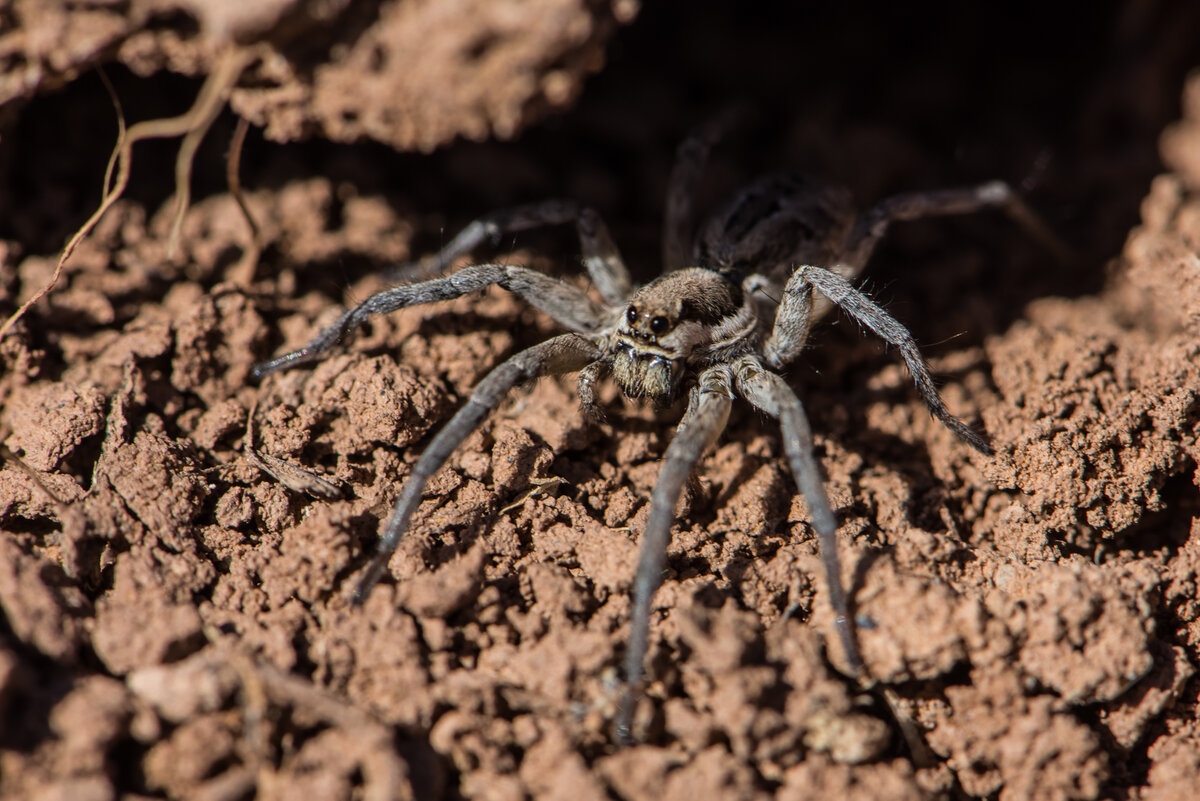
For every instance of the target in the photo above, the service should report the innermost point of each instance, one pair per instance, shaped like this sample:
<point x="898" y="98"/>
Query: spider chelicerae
<point x="726" y="316"/>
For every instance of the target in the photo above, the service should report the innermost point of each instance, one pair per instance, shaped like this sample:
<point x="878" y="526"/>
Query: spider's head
<point x="666" y="324"/>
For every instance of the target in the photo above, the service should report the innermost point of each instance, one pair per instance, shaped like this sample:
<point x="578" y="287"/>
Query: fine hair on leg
<point x="797" y="302"/>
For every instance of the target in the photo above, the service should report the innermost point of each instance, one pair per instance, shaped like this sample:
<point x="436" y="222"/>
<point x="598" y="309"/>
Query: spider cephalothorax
<point x="683" y="320"/>
<point x="785" y="245"/>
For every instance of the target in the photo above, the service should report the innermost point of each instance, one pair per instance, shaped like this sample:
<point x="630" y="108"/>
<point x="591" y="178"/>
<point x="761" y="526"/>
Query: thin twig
<point x="212" y="98"/>
<point x="292" y="476"/>
<point x="243" y="274"/>
<point x="540" y="485"/>
<point x="122" y="134"/>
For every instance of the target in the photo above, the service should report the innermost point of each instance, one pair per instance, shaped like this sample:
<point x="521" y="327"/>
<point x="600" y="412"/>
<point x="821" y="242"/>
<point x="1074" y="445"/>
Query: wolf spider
<point x="704" y="330"/>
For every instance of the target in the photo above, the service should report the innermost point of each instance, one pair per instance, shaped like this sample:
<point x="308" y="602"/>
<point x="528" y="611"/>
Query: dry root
<point x="192" y="126"/>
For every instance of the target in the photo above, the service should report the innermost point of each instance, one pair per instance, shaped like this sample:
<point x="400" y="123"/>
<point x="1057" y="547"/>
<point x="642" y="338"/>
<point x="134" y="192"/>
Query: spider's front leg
<point x="563" y="354"/>
<point x="565" y="303"/>
<point x="588" y="377"/>
<point x="703" y="422"/>
<point x="792" y="326"/>
<point x="770" y="393"/>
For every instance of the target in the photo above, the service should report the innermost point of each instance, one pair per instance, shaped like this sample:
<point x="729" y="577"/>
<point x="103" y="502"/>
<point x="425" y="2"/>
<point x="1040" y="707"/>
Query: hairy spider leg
<point x="791" y="324"/>
<point x="707" y="413"/>
<point x="770" y="393"/>
<point x="588" y="377"/>
<point x="563" y="354"/>
<point x="600" y="255"/>
<point x="870" y="226"/>
<point x="565" y="303"/>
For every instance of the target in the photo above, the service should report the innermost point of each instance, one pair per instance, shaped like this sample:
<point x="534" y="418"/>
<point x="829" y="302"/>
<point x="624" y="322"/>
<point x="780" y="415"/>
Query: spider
<point x="707" y="329"/>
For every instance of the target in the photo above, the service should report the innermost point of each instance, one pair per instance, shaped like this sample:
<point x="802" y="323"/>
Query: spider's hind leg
<point x="690" y="161"/>
<point x="872" y="224"/>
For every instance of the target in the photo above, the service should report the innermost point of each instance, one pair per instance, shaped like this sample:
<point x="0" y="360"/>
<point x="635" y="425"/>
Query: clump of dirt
<point x="179" y="543"/>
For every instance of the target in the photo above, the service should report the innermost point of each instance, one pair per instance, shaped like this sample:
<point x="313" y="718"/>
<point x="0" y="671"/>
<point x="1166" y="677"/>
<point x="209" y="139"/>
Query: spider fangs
<point x="708" y="330"/>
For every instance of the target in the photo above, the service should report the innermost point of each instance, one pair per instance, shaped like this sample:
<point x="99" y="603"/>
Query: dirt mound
<point x="174" y="619"/>
<point x="409" y="73"/>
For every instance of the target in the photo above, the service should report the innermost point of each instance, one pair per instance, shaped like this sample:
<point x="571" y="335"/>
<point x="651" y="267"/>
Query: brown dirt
<point x="174" y="621"/>
<point x="409" y="73"/>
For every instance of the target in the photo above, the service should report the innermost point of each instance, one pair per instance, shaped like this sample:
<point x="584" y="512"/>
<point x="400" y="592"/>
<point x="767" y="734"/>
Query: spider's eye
<point x="659" y="325"/>
<point x="631" y="315"/>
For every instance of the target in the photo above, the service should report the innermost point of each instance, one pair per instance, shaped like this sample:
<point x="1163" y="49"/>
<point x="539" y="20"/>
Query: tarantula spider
<point x="705" y="330"/>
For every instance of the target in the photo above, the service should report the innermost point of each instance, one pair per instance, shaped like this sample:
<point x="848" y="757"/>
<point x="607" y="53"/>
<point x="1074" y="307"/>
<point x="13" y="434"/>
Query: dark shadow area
<point x="1064" y="101"/>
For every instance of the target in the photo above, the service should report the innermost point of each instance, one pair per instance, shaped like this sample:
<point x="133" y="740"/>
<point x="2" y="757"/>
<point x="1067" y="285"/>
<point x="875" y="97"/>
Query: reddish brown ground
<point x="174" y="622"/>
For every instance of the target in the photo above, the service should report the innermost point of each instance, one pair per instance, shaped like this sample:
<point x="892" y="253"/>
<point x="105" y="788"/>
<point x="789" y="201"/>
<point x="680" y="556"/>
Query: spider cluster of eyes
<point x="659" y="325"/>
